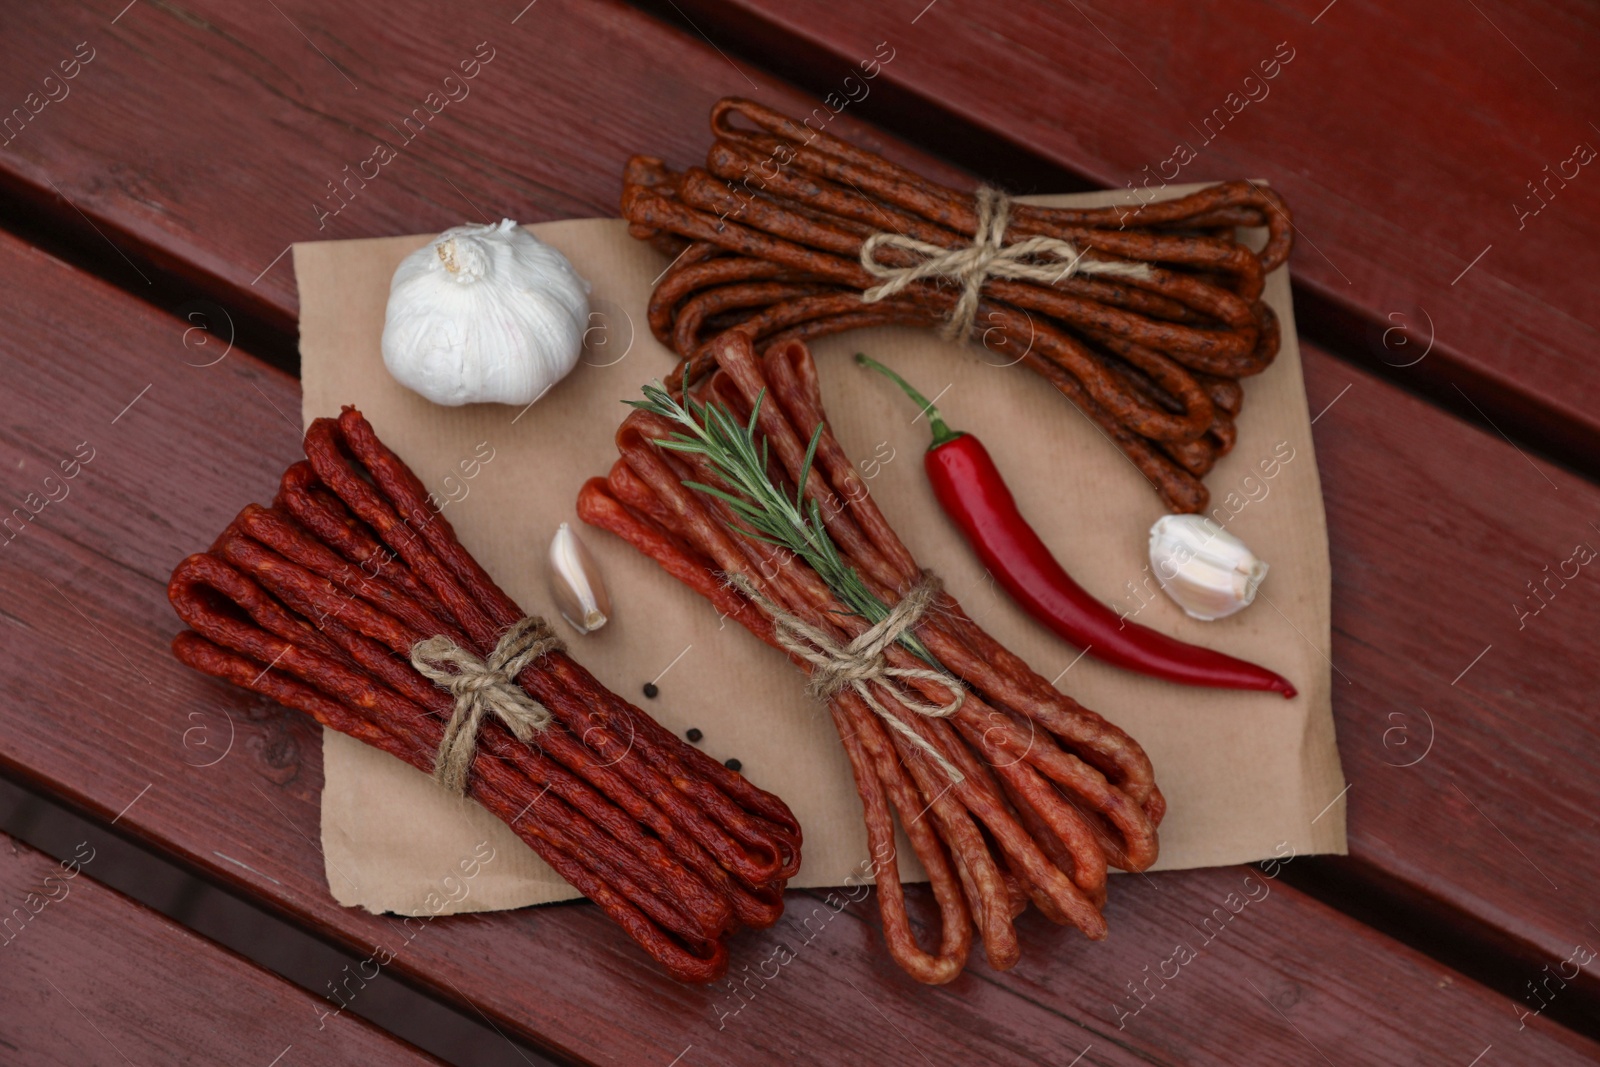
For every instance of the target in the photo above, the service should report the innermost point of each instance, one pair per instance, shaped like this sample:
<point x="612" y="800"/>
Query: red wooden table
<point x="148" y="205"/>
<point x="91" y="977"/>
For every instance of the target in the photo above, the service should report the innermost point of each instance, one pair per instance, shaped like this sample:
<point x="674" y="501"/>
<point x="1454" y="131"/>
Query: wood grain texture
<point x="185" y="106"/>
<point x="1405" y="137"/>
<point x="1436" y="527"/>
<point x="233" y="786"/>
<point x="89" y="976"/>
<point x="1409" y="519"/>
<point x="1463" y="666"/>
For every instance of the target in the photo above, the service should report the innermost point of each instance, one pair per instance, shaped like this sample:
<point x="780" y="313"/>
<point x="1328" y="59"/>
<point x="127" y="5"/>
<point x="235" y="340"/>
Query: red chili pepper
<point x="972" y="493"/>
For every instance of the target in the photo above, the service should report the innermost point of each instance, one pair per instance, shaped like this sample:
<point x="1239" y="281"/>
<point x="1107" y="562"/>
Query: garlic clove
<point x="575" y="582"/>
<point x="1208" y="572"/>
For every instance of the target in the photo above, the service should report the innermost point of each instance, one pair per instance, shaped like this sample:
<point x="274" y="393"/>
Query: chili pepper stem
<point x="942" y="433"/>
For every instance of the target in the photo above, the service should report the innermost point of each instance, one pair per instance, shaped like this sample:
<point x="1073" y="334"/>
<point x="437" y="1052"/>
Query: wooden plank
<point x="1406" y="139"/>
<point x="282" y="102"/>
<point x="93" y="709"/>
<point x="1464" y="669"/>
<point x="198" y="492"/>
<point x="89" y="976"/>
<point x="148" y="154"/>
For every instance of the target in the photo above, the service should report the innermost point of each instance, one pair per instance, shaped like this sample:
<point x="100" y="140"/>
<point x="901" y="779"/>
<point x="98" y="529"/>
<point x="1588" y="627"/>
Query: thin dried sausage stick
<point x="878" y="781"/>
<point x="757" y="852"/>
<point x="339" y="616"/>
<point x="336" y="676"/>
<point x="204" y="656"/>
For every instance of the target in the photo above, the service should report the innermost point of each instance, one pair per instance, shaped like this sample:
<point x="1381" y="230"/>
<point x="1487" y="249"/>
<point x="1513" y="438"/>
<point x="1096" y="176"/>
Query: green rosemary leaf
<point x="755" y="413"/>
<point x="805" y="467"/>
<point x="710" y="429"/>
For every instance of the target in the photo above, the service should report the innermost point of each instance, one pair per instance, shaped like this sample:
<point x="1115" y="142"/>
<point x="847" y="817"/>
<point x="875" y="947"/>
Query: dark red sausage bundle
<point x="769" y="235"/>
<point x="1049" y="793"/>
<point x="317" y="601"/>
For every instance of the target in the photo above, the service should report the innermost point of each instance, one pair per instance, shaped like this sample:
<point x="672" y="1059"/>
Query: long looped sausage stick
<point x="1052" y="794"/>
<point x="769" y="235"/>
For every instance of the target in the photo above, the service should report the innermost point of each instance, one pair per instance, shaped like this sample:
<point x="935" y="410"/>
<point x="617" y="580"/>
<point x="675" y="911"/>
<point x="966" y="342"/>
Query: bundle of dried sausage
<point x="1009" y="790"/>
<point x="321" y="601"/>
<point x="1148" y="325"/>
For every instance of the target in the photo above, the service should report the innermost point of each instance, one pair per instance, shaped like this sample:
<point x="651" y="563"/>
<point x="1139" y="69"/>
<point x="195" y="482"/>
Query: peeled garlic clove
<point x="1206" y="570"/>
<point x="575" y="582"/>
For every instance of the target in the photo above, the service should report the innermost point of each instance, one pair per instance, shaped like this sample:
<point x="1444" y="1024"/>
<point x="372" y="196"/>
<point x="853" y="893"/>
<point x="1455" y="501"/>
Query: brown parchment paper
<point x="1242" y="773"/>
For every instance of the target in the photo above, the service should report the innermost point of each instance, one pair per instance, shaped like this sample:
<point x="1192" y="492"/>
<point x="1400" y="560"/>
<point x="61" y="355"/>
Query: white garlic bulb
<point x="1208" y="571"/>
<point x="484" y="313"/>
<point x="575" y="582"/>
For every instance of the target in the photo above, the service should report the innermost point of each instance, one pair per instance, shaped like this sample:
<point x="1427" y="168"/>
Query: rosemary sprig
<point x="710" y="430"/>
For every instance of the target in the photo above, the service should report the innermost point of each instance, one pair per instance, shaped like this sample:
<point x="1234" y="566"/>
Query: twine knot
<point x="862" y="663"/>
<point x="988" y="256"/>
<point x="484" y="686"/>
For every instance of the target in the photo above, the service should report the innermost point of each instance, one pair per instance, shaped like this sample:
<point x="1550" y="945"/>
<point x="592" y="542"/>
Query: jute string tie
<point x="1047" y="260"/>
<point x="482" y="687"/>
<point x="861" y="664"/>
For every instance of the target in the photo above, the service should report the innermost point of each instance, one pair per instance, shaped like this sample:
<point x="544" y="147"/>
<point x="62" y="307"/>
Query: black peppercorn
<point x="650" y="690"/>
<point x="732" y="764"/>
<point x="693" y="734"/>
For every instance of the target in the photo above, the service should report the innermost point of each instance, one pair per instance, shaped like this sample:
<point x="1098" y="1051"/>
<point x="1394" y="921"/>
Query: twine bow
<point x="986" y="257"/>
<point x="481" y="687"/>
<point x="861" y="664"/>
